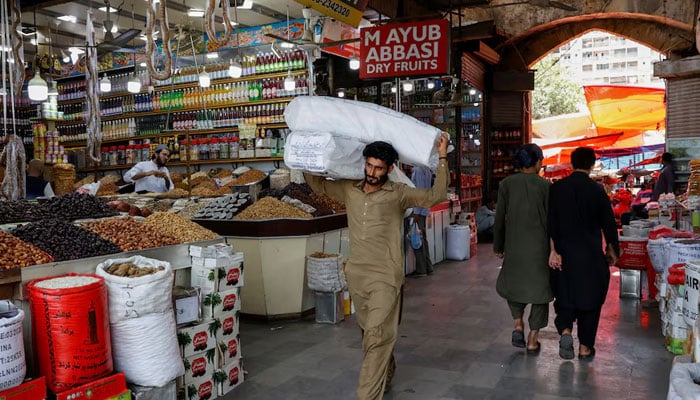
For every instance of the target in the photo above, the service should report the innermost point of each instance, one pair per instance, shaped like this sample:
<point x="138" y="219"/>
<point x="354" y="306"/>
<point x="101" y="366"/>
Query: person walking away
<point x="152" y="175"/>
<point x="667" y="176"/>
<point x="37" y="186"/>
<point x="374" y="271"/>
<point x="422" y="178"/>
<point x="579" y="210"/>
<point x="520" y="238"/>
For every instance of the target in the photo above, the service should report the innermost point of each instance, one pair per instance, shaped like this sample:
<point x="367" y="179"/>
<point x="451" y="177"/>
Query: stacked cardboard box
<point x="214" y="353"/>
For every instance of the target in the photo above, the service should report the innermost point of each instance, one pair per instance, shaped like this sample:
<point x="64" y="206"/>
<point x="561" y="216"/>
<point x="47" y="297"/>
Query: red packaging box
<point x="30" y="390"/>
<point x="100" y="389"/>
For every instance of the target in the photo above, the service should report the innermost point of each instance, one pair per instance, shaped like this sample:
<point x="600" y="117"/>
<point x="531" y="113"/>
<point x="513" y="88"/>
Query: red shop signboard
<point x="413" y="48"/>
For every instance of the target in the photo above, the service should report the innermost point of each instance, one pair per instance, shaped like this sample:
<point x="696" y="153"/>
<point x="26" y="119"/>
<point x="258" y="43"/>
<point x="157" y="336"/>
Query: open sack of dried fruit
<point x="144" y="338"/>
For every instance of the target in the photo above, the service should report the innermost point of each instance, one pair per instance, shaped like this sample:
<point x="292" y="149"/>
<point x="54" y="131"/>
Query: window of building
<point x="632" y="51"/>
<point x="618" y="66"/>
<point x="601" y="42"/>
<point x="632" y="64"/>
<point x="587" y="68"/>
<point x="619" y="52"/>
<point x="587" y="54"/>
<point x="618" y="79"/>
<point x="587" y="43"/>
<point x="602" y="67"/>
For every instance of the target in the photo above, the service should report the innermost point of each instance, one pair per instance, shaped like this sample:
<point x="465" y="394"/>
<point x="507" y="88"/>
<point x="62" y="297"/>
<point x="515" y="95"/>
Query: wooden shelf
<point x="510" y="141"/>
<point x="470" y="199"/>
<point x="189" y="85"/>
<point x="184" y="163"/>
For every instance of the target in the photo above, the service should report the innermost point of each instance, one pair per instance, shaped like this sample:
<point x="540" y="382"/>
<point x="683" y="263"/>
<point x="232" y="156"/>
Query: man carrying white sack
<point x="375" y="209"/>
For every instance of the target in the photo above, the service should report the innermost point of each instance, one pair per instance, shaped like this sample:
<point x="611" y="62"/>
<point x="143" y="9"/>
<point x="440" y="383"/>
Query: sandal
<point x="566" y="347"/>
<point x="518" y="339"/>
<point x="535" y="351"/>
<point x="587" y="357"/>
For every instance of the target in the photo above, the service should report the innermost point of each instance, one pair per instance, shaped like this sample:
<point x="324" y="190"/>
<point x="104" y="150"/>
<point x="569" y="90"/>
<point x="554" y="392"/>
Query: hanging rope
<point x="17" y="49"/>
<point x="211" y="24"/>
<point x="94" y="131"/>
<point x="150" y="42"/>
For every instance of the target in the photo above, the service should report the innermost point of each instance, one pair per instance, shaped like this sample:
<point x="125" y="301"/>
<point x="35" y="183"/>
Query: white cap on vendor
<point x="160" y="148"/>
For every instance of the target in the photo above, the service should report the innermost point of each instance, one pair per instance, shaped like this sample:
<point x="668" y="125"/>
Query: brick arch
<point x="664" y="35"/>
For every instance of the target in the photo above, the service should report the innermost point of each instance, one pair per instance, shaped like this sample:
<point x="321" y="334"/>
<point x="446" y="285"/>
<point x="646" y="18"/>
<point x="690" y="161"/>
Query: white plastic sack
<point x="366" y="122"/>
<point x="144" y="336"/>
<point x="681" y="385"/>
<point x="325" y="154"/>
<point x="325" y="274"/>
<point x="12" y="362"/>
<point x="658" y="253"/>
<point x="457" y="246"/>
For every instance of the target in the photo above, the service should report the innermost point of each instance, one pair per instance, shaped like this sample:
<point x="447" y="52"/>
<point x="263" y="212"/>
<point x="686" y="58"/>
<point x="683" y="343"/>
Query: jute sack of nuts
<point x="63" y="177"/>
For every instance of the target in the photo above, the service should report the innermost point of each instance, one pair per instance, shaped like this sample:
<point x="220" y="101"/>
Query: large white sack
<point x="367" y="122"/>
<point x="142" y="323"/>
<point x="146" y="350"/>
<point x="325" y="154"/>
<point x="12" y="362"/>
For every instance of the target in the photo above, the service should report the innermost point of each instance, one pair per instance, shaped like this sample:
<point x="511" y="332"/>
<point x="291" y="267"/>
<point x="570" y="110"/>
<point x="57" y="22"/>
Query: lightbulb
<point x="286" y="45"/>
<point x="212" y="55"/>
<point x="472" y="91"/>
<point x="341" y="93"/>
<point x="431" y="84"/>
<point x="354" y="63"/>
<point x="393" y="89"/>
<point x="105" y="85"/>
<point x="289" y="82"/>
<point x="37" y="88"/>
<point x="134" y="84"/>
<point x="407" y="86"/>
<point x="234" y="69"/>
<point x="66" y="59"/>
<point x="204" y="79"/>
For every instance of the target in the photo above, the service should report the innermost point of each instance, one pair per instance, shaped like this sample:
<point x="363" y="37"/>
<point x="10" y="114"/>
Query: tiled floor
<point x="455" y="344"/>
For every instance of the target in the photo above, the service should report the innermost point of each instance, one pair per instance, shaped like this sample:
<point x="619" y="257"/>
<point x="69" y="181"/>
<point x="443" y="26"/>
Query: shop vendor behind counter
<point x="153" y="175"/>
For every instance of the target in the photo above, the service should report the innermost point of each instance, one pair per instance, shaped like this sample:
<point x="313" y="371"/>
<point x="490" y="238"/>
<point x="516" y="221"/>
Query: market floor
<point x="455" y="344"/>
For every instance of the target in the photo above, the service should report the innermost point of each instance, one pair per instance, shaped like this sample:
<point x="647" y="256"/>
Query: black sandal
<point x="587" y="357"/>
<point x="518" y="339"/>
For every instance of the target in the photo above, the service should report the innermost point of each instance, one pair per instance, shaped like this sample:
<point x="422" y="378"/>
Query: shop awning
<point x="626" y="108"/>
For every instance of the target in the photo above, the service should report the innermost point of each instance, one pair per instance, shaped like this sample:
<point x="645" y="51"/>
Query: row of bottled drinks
<point x="263" y="63"/>
<point x="169" y="100"/>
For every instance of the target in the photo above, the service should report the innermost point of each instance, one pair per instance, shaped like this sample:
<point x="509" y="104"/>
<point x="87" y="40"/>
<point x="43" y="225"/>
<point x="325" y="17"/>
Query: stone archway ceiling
<point x="664" y="35"/>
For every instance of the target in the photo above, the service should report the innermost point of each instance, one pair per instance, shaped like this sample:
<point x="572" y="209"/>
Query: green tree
<point x="555" y="91"/>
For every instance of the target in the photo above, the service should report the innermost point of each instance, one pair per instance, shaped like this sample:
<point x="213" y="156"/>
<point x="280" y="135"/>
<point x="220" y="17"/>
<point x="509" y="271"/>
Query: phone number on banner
<point x="335" y="7"/>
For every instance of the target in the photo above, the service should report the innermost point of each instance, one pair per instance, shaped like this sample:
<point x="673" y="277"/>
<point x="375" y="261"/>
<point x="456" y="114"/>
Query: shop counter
<point x="435" y="232"/>
<point x="275" y="260"/>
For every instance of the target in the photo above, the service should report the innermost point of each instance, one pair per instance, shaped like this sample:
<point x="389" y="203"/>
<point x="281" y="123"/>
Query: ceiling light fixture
<point x="234" y="69"/>
<point x="472" y="91"/>
<point x="37" y="88"/>
<point x="212" y="55"/>
<point x="68" y="18"/>
<point x="115" y="29"/>
<point x="105" y="85"/>
<point x="204" y="78"/>
<point x="289" y="82"/>
<point x="431" y="84"/>
<point x="195" y="12"/>
<point x="393" y="89"/>
<point x="286" y="45"/>
<point x="407" y="86"/>
<point x="33" y="42"/>
<point x="341" y="93"/>
<point x="111" y="9"/>
<point x="143" y="64"/>
<point x="354" y="63"/>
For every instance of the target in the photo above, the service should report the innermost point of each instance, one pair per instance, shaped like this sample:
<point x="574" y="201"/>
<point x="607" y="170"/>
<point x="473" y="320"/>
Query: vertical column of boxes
<point x="218" y="271"/>
<point x="199" y="354"/>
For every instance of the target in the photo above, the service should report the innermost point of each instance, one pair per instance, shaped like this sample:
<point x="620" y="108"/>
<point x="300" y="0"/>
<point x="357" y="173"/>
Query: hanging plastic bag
<point x="414" y="236"/>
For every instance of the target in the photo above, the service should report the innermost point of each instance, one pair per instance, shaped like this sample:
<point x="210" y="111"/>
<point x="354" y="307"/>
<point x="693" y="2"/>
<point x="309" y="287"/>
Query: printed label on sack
<point x="233" y="348"/>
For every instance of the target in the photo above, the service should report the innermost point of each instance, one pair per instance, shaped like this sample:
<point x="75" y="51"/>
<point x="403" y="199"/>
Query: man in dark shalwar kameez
<point x="579" y="216"/>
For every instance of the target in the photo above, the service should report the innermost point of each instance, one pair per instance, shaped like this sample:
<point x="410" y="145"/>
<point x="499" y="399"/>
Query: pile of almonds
<point x="130" y="234"/>
<point x="271" y="208"/>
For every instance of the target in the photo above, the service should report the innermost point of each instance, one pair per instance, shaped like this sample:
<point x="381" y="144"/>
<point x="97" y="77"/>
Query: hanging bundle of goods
<point x="144" y="337"/>
<point x="70" y="325"/>
<point x="94" y="140"/>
